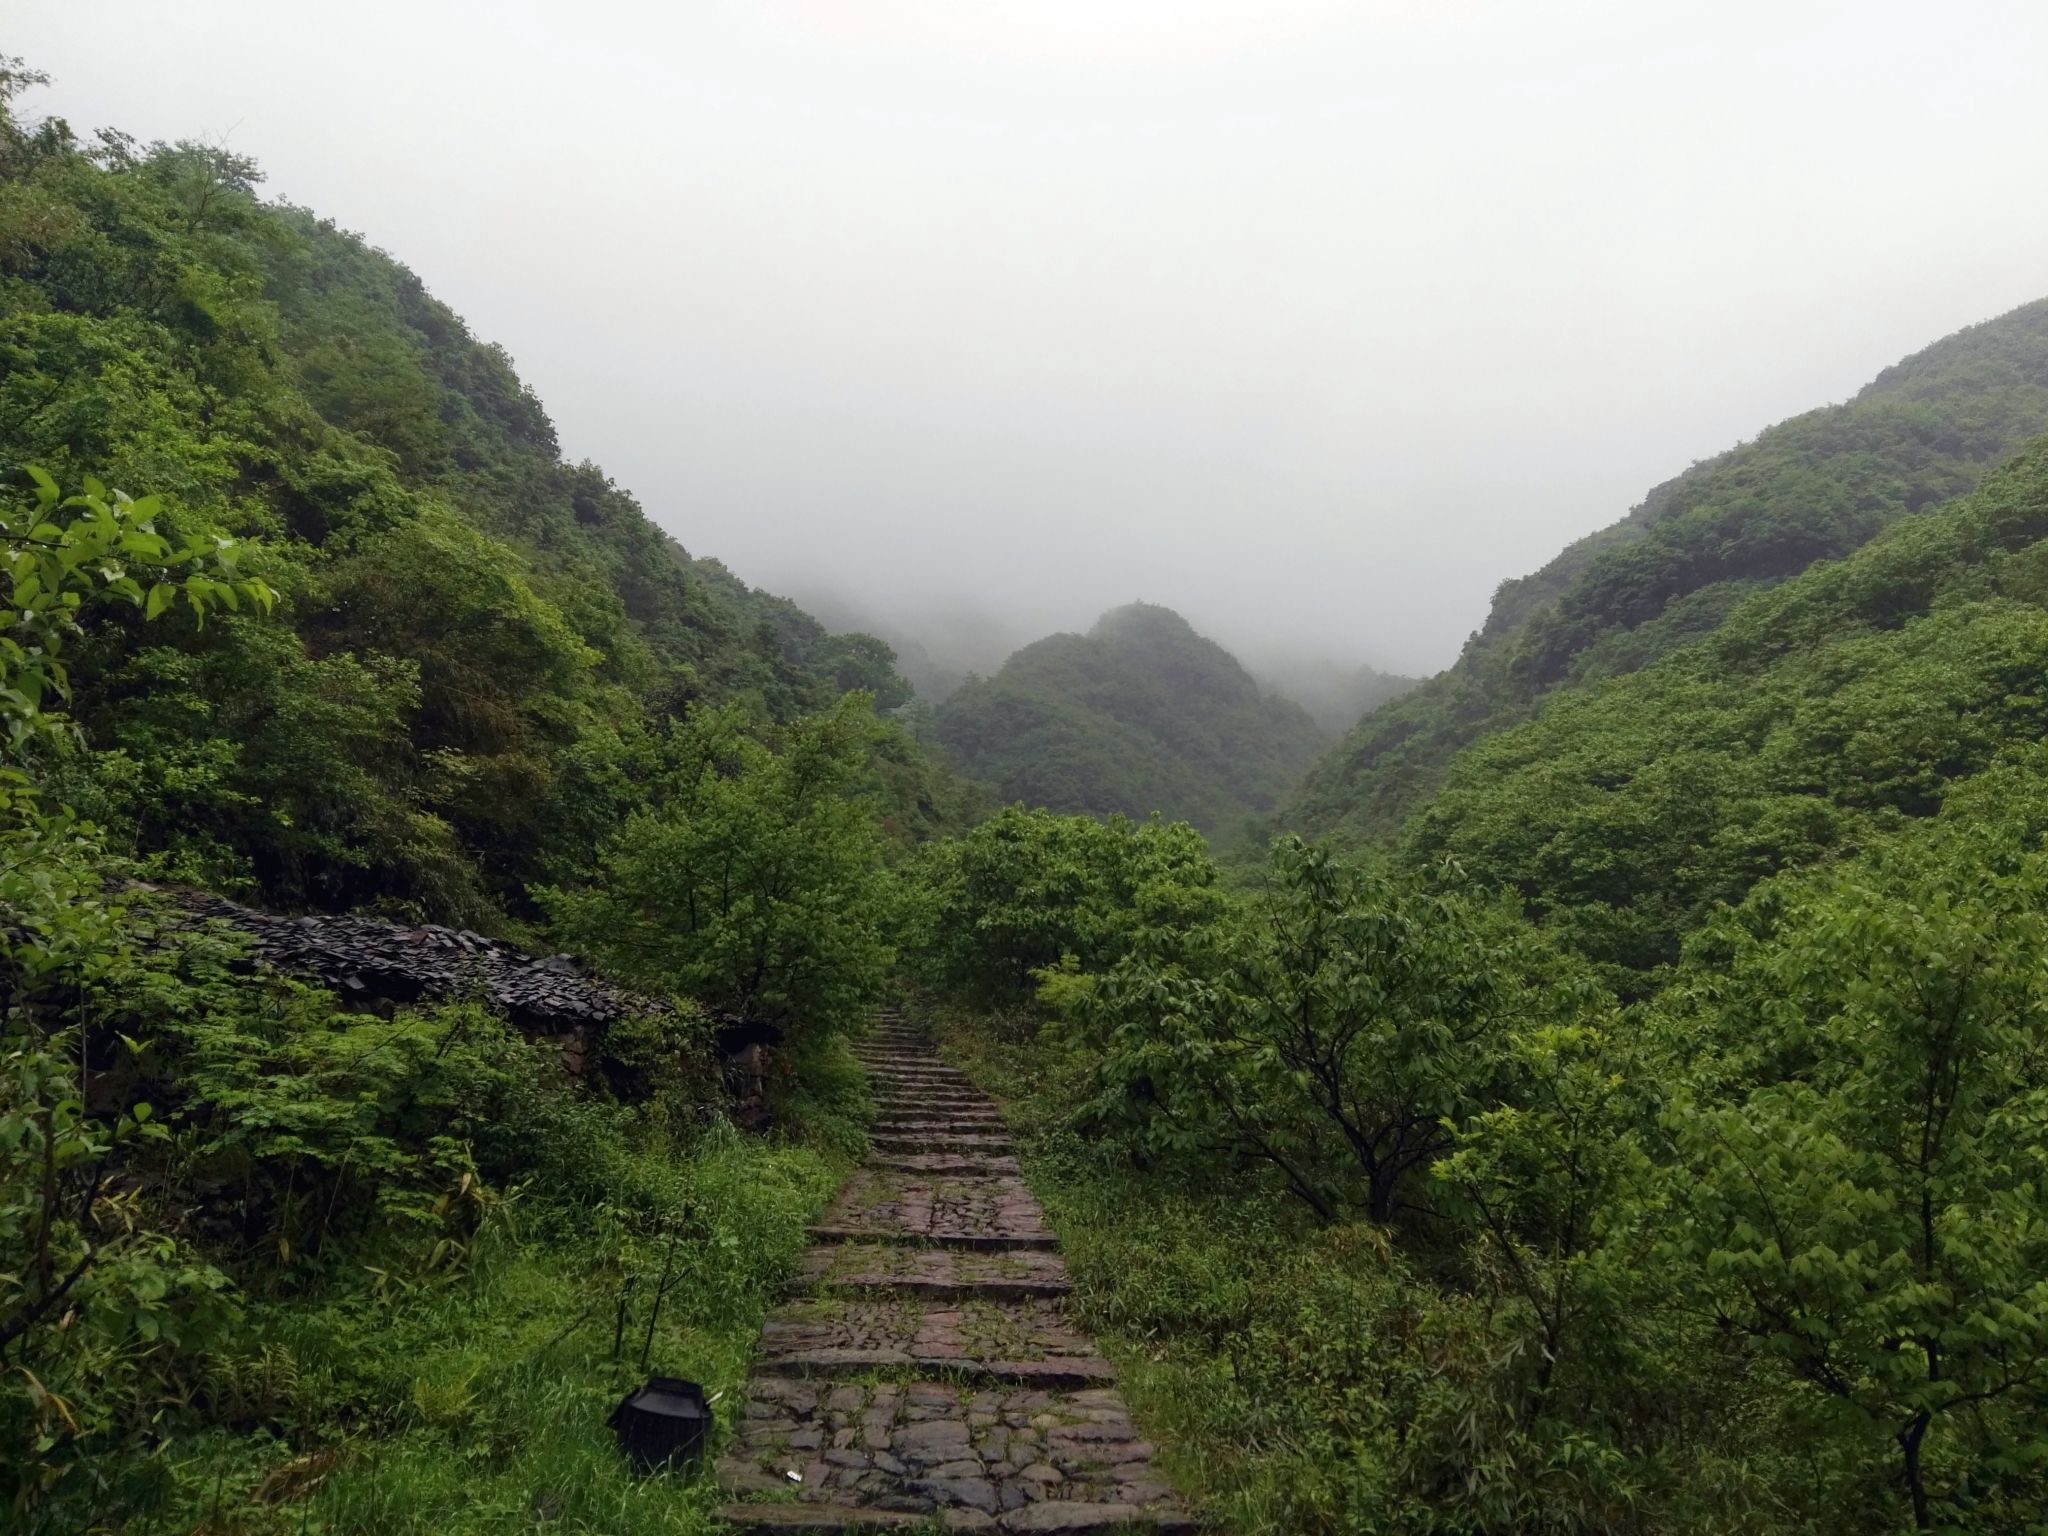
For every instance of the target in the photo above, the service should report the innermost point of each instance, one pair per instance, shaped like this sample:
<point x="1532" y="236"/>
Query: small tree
<point x="756" y="885"/>
<point x="1335" y="1037"/>
<point x="1880" y="1219"/>
<point x="86" y="1290"/>
<point x="1026" y="890"/>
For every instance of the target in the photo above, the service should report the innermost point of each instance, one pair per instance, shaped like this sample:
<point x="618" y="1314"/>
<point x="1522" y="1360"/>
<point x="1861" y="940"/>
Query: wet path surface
<point x="923" y="1371"/>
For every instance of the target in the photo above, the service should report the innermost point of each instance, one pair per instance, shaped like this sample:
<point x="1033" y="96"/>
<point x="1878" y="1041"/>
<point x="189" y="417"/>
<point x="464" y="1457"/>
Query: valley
<point x="466" y="954"/>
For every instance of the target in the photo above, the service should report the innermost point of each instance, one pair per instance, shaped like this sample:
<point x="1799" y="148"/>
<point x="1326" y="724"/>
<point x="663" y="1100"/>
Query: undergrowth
<point x="1302" y="1376"/>
<point x="480" y="1406"/>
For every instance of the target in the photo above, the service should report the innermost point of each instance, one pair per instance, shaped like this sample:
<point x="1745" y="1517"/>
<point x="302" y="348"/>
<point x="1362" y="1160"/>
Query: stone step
<point x="1058" y="1373"/>
<point x="942" y="1142"/>
<point x="1056" y="1518"/>
<point x="876" y="1061"/>
<point x="1027" y="1341"/>
<point x="915" y="1288"/>
<point x="967" y="1455"/>
<point x="934" y="1206"/>
<point x="926" y="1108"/>
<point x="924" y="1136"/>
<point x="908" y="1122"/>
<point x="920" y="1136"/>
<point x="983" y="1242"/>
<point x="914" y="1082"/>
<point x="956" y="1163"/>
<point x="935" y="1274"/>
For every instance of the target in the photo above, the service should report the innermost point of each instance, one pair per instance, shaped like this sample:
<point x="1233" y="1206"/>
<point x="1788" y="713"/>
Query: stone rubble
<point x="368" y="960"/>
<point x="923" y="1371"/>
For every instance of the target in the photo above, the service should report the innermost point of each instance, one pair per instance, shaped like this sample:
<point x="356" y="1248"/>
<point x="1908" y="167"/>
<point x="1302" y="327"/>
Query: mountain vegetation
<point x="1140" y="715"/>
<point x="462" y="687"/>
<point x="1336" y="696"/>
<point x="1819" y="718"/>
<point x="1813" y="488"/>
<point x="1648" y="1133"/>
<point x="270" y="1260"/>
<point x="1651" y="1136"/>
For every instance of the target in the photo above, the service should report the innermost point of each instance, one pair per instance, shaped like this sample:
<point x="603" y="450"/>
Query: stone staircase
<point x="923" y="1371"/>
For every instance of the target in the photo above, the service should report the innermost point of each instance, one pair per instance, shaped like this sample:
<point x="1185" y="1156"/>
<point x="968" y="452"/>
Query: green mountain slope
<point x="1820" y="715"/>
<point x="479" y="643"/>
<point x="1139" y="715"/>
<point x="1812" y="488"/>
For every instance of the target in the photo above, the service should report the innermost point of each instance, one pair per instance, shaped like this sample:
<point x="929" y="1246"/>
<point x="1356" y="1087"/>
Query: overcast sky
<point x="1311" y="319"/>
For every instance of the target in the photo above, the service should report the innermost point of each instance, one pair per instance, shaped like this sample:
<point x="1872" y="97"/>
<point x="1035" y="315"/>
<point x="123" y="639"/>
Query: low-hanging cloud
<point x="1311" y="320"/>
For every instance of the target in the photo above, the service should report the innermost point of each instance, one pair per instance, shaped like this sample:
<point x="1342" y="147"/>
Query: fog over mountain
<point x="938" y="649"/>
<point x="1312" y="320"/>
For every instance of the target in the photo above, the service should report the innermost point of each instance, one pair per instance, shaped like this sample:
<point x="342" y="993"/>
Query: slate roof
<point x="369" y="960"/>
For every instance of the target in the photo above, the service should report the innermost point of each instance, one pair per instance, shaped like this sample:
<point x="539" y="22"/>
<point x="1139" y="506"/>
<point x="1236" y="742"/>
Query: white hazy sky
<point x="1311" y="319"/>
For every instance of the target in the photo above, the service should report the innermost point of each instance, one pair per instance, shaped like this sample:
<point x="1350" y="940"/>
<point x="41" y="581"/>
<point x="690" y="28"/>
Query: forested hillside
<point x="461" y="689"/>
<point x="305" y="608"/>
<point x="1141" y="714"/>
<point x="1819" y="717"/>
<point x="1657" y="1143"/>
<point x="1812" y="488"/>
<point x="1652" y="1138"/>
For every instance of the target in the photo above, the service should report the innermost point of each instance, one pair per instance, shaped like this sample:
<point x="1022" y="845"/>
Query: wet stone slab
<point x="888" y="1202"/>
<point x="924" y="1373"/>
<point x="926" y="1330"/>
<point x="944" y="1162"/>
<point x="934" y="1272"/>
<point x="923" y="1447"/>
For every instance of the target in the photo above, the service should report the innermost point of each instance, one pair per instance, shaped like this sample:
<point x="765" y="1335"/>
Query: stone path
<point x="923" y="1371"/>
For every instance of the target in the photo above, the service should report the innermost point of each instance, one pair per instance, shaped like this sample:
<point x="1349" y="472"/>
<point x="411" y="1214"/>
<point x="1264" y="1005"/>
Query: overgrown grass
<point x="479" y="1405"/>
<point x="1309" y="1378"/>
<point x="1166" y="1276"/>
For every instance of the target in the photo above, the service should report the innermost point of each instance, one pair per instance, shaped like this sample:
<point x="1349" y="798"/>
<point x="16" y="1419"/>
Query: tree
<point x="1027" y="890"/>
<point x="1877" y="1214"/>
<point x="755" y="885"/>
<point x="108" y="548"/>
<point x="1336" y="1036"/>
<point x="85" y="1288"/>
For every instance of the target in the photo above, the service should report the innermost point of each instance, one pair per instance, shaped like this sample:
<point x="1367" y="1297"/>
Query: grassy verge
<point x="1196" y="1292"/>
<point x="478" y="1405"/>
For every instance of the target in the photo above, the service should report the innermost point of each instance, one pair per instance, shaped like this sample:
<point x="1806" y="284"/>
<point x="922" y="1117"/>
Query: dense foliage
<point x="1418" y="1230"/>
<point x="461" y="690"/>
<point x="1653" y="1138"/>
<point x="754" y="881"/>
<point x="224" y="1196"/>
<point x="1818" y="716"/>
<point x="1656" y="1141"/>
<point x="1812" y="488"/>
<point x="269" y="1262"/>
<point x="993" y="912"/>
<point x="1139" y="716"/>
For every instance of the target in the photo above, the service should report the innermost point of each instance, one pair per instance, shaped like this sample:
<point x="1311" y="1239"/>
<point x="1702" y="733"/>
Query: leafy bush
<point x="755" y="883"/>
<point x="1026" y="890"/>
<point x="1335" y="1035"/>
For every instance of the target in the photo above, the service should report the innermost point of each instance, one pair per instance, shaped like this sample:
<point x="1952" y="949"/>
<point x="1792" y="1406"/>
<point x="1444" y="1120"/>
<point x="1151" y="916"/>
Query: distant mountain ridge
<point x="1816" y="487"/>
<point x="1141" y="714"/>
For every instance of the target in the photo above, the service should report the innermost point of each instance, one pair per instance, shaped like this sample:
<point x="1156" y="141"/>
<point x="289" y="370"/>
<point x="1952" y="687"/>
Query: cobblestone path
<point x="922" y="1371"/>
